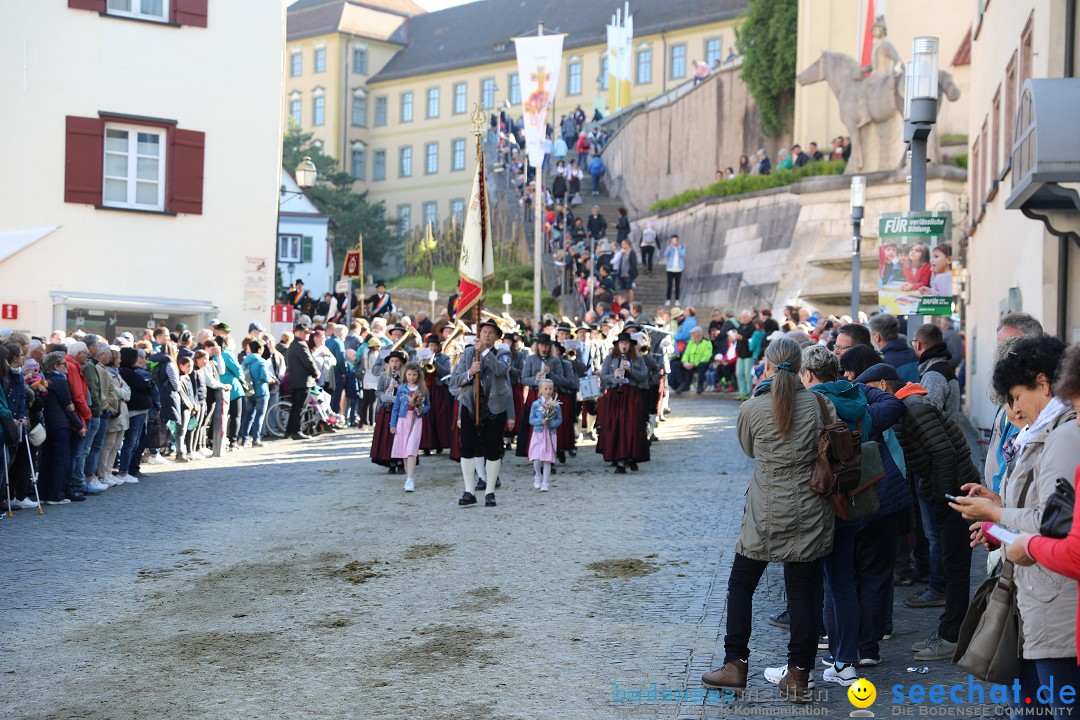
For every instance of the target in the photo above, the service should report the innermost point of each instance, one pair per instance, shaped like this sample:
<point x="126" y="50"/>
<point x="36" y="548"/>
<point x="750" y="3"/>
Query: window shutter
<point x="84" y="160"/>
<point x="95" y="5"/>
<point x="186" y="171"/>
<point x="189" y="12"/>
<point x="306" y="253"/>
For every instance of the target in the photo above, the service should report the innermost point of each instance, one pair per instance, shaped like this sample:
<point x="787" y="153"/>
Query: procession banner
<point x="620" y="44"/>
<point x="915" y="275"/>
<point x="539" y="61"/>
<point x="477" y="255"/>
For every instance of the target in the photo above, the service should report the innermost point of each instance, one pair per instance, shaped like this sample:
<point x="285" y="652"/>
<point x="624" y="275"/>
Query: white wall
<point x="224" y="80"/>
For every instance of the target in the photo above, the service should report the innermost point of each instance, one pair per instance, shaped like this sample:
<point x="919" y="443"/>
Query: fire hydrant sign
<point x="9" y="312"/>
<point x="915" y="273"/>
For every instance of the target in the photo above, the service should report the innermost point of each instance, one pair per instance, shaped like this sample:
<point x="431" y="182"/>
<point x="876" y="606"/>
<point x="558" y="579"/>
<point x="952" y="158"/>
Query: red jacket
<point x="77" y="383"/>
<point x="1061" y="556"/>
<point x="583" y="143"/>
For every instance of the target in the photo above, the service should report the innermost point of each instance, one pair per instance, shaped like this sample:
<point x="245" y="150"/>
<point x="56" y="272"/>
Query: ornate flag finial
<point x="479" y="120"/>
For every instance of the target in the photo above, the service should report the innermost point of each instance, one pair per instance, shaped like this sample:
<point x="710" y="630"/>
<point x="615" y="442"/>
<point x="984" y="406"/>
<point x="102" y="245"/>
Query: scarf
<point x="1048" y="415"/>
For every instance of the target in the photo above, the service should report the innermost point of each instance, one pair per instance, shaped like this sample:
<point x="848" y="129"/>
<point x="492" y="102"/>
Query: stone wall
<point x="667" y="150"/>
<point x="792" y="245"/>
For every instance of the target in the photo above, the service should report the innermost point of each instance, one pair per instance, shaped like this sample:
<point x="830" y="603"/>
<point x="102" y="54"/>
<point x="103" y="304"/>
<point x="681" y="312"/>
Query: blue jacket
<point x="536" y="417"/>
<point x="596" y="166"/>
<point x="900" y="355"/>
<point x="337" y="348"/>
<point x="401" y="404"/>
<point x="675" y="258"/>
<point x="879" y="411"/>
<point x="16" y="395"/>
<point x="256" y="366"/>
<point x="232" y="374"/>
<point x="683" y="333"/>
<point x="57" y="415"/>
<point x="167" y="380"/>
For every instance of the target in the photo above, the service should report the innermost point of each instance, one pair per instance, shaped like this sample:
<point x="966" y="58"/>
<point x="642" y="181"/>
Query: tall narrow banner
<point x="539" y="61"/>
<point x="477" y="256"/>
<point x="620" y="49"/>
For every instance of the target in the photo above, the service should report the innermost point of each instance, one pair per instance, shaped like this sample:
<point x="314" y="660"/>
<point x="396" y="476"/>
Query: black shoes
<point x="561" y="454"/>
<point x="392" y="470"/>
<point x="468" y="499"/>
<point x="481" y="485"/>
<point x="783" y="620"/>
<point x="489" y="500"/>
<point x="299" y="436"/>
<point x="76" y="496"/>
<point x="620" y="470"/>
<point x="573" y="452"/>
<point x="498" y="482"/>
<point x="633" y="465"/>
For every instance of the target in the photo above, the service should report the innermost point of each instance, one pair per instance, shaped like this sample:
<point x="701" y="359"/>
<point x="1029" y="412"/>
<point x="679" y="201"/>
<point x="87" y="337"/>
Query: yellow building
<point x="398" y="117"/>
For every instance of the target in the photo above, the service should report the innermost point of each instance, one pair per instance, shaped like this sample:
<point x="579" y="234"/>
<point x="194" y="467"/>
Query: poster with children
<point x="915" y="275"/>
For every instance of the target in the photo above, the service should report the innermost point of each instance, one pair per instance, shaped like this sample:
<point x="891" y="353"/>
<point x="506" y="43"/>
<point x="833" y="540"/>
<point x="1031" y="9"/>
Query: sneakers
<point x="926" y="598"/>
<point x="182" y="458"/>
<point x="937" y="648"/>
<point x="795" y="682"/>
<point x="409" y="485"/>
<point x="467" y="499"/>
<point x="823" y="642"/>
<point x="536" y="482"/>
<point x="25" y="503"/>
<point x="256" y="443"/>
<point x="65" y="501"/>
<point x="544" y="487"/>
<point x="156" y="460"/>
<point x="869" y="661"/>
<point x="846" y="676"/>
<point x="195" y="456"/>
<point x="921" y="645"/>
<point x="112" y="481"/>
<point x="206" y="452"/>
<point x="96" y="484"/>
<point x="125" y="478"/>
<point x="776" y="674"/>
<point x="783" y="620"/>
<point x="87" y="489"/>
<point x="731" y="676"/>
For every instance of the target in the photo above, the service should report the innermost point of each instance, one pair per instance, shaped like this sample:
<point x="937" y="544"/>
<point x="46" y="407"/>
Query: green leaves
<point x="742" y="184"/>
<point x="767" y="42"/>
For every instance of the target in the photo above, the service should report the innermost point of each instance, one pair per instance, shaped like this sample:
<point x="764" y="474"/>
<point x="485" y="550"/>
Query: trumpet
<point x="428" y="367"/>
<point x="571" y="355"/>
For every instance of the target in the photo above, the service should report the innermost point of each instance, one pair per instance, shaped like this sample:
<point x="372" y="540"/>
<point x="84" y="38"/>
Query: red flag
<point x="477" y="257"/>
<point x="868" y="35"/>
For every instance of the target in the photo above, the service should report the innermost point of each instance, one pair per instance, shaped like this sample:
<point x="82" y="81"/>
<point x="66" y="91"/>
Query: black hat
<point x="397" y="354"/>
<point x="432" y="338"/>
<point x="300" y="326"/>
<point x="223" y="327"/>
<point x="564" y="328"/>
<point x="491" y="324"/>
<point x="299" y="282"/>
<point x="399" y="326"/>
<point x="625" y="336"/>
<point x="543" y="338"/>
<point x="557" y="344"/>
<point x="881" y="371"/>
<point x="380" y="283"/>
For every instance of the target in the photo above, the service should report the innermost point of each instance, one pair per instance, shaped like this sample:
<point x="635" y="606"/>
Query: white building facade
<point x="303" y="249"/>
<point x="148" y="137"/>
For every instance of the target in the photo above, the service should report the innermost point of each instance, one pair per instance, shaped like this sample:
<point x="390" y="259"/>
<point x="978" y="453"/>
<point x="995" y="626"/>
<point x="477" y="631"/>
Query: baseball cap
<point x="255" y="326"/>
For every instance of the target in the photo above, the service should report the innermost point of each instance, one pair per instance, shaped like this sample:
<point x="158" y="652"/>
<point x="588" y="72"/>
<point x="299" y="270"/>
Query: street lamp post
<point x="306" y="172"/>
<point x="858" y="204"/>
<point x="920" y="111"/>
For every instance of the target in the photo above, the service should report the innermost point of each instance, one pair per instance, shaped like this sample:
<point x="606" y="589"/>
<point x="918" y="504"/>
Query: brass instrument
<point x="571" y="355"/>
<point x="405" y="338"/>
<point x="428" y="367"/>
<point x="505" y="323"/>
<point x="454" y="345"/>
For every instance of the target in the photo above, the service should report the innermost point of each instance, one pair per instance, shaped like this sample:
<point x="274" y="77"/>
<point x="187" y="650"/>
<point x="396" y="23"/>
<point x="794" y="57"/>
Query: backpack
<point x="847" y="469"/>
<point x="247" y="381"/>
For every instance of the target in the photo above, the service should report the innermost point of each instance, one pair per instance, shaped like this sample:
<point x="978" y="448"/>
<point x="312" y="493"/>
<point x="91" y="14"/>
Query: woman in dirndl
<point x="566" y="388"/>
<point x="382" y="440"/>
<point x="624" y="379"/>
<point x="436" y="434"/>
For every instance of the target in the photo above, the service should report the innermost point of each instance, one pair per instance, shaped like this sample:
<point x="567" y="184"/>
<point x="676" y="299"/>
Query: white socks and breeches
<point x="470" y="467"/>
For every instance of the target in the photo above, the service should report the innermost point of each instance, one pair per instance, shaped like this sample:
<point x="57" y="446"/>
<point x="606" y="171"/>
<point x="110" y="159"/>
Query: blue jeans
<point x="744" y="372"/>
<point x="875" y="549"/>
<point x="1043" y="673"/>
<point x="335" y="396"/>
<point x="933" y="536"/>
<point x="842" y="597"/>
<point x="132" y="444"/>
<point x="96" y="444"/>
<point x="251" y="424"/>
<point x="83" y="450"/>
<point x="595" y="183"/>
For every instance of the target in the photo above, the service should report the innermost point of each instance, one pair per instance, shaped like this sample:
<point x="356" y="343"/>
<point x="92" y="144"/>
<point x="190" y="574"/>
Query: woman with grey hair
<point x="784" y="521"/>
<point x="63" y="429"/>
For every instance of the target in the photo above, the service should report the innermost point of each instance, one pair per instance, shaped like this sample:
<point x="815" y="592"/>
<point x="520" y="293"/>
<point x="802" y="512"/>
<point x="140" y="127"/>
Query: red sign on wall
<point x="281" y="314"/>
<point x="9" y="312"/>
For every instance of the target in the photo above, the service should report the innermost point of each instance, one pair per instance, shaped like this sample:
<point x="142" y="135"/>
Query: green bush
<point x="742" y="184"/>
<point x="961" y="160"/>
<point x="521" y="286"/>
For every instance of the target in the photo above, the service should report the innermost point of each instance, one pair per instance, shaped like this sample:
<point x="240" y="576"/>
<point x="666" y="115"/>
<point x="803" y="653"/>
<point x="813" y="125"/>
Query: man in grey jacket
<point x="936" y="373"/>
<point x="481" y="428"/>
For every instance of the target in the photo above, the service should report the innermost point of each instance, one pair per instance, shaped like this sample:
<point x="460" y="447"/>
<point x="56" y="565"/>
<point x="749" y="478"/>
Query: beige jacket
<point x="109" y="401"/>
<point x="783" y="520"/>
<point x="1047" y="601"/>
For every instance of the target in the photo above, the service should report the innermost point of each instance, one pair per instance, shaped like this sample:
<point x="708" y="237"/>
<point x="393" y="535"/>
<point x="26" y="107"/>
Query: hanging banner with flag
<point x="620" y="48"/>
<point x="477" y="256"/>
<point x="865" y="53"/>
<point x="539" y="61"/>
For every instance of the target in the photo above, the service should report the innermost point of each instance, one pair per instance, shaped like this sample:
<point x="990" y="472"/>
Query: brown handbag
<point x="838" y="466"/>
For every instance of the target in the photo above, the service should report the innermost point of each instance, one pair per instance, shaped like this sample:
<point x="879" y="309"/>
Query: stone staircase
<point x="650" y="288"/>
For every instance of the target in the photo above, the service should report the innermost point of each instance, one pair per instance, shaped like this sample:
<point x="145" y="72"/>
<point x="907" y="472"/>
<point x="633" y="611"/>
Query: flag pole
<point x="538" y="223"/>
<point x="478" y="130"/>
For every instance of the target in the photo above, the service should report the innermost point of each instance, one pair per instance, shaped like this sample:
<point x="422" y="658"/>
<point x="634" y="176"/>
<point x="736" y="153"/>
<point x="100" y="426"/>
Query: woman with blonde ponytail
<point x="784" y="521"/>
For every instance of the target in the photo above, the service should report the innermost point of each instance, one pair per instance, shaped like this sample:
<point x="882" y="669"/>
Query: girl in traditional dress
<point x="411" y="401"/>
<point x="624" y="378"/>
<point x="545" y="416"/>
<point x="382" y="440"/>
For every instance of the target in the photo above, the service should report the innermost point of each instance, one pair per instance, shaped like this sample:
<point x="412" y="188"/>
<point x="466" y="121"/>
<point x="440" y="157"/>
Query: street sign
<point x="507" y="299"/>
<point x="281" y="313"/>
<point x="9" y="312"/>
<point x="916" y="273"/>
<point x="341" y="286"/>
<point x="433" y="295"/>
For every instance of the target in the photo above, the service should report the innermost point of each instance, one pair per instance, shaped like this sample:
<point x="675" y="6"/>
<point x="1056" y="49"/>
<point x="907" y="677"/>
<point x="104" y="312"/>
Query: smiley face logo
<point x="862" y="694"/>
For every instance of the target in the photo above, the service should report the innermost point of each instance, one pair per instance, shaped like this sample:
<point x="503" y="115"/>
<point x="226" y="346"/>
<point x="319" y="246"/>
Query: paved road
<point x="299" y="581"/>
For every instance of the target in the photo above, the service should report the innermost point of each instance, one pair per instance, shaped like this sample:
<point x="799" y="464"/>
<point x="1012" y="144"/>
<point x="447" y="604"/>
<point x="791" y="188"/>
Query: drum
<point x="589" y="387"/>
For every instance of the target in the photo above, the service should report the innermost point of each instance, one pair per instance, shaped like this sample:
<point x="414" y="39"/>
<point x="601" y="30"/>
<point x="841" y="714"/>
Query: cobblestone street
<point x="299" y="581"/>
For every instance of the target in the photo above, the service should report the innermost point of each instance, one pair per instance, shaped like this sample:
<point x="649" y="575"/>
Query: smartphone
<point x="950" y="498"/>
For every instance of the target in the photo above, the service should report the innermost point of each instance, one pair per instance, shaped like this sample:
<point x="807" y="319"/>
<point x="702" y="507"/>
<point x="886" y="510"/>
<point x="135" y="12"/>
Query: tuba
<point x="405" y="338"/>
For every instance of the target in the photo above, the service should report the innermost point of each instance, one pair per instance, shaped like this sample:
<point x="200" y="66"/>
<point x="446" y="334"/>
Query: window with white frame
<point x="678" y="61"/>
<point x="134" y="167"/>
<point x="431" y="158"/>
<point x="644" y="66"/>
<point x="359" y="60"/>
<point x="290" y="248"/>
<point x="378" y="169"/>
<point x="457" y="209"/>
<point x="515" y="89"/>
<point x="431" y="213"/>
<point x="294" y="107"/>
<point x="433" y="102"/>
<point x="359" y="108"/>
<point x="457" y="154"/>
<point x="714" y="51"/>
<point x="157" y="10"/>
<point x="405" y="161"/>
<point x="404" y="214"/>
<point x="406" y="106"/>
<point x="573" y="78"/>
<point x="296" y="64"/>
<point x="460" y="90"/>
<point x="358" y="164"/>
<point x="318" y="109"/>
<point x="320" y="60"/>
<point x="487" y="93"/>
<point x="380" y="111"/>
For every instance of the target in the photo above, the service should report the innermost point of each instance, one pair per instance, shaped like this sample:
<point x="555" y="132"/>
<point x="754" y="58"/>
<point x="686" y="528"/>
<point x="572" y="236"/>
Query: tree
<point x="767" y="42"/>
<point x="350" y="213"/>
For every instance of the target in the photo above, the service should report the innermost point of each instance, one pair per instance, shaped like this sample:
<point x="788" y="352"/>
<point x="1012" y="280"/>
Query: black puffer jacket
<point x="934" y="447"/>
